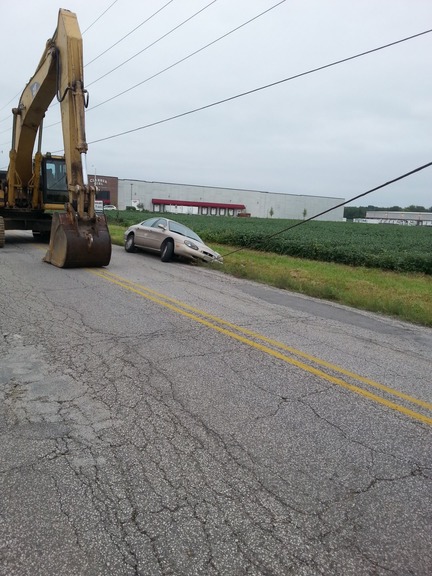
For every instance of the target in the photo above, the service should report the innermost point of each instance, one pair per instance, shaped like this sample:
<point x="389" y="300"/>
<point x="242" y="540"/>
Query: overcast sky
<point x="337" y="132"/>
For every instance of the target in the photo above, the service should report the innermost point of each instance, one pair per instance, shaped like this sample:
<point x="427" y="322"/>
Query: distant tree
<point x="271" y="211"/>
<point x="351" y="212"/>
<point x="304" y="213"/>
<point x="413" y="208"/>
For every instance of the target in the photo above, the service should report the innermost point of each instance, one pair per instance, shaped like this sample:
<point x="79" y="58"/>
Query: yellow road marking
<point x="182" y="308"/>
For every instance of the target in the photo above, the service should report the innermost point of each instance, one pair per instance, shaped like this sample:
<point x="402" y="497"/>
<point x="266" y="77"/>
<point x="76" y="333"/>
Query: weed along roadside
<point x="399" y="293"/>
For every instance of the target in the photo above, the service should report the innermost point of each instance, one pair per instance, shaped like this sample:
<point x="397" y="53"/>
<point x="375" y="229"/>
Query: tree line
<point x="351" y="212"/>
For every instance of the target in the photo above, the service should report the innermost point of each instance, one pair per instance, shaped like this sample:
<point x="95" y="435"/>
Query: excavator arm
<point x="79" y="236"/>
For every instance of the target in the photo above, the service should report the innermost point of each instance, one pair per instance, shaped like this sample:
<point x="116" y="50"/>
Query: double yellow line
<point x="279" y="350"/>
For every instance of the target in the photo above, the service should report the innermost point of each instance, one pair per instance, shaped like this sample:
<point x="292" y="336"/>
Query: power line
<point x="181" y="60"/>
<point x="410" y="173"/>
<point x="11" y="100"/>
<point x="129" y="33"/>
<point x="113" y="45"/>
<point x="271" y="85"/>
<point x="88" y="27"/>
<point x="187" y="57"/>
<point x="4" y="119"/>
<point x="153" y="43"/>
<point x="99" y="17"/>
<point x="137" y="54"/>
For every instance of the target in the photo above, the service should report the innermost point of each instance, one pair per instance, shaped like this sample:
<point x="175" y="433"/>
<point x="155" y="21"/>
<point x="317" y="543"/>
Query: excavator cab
<point x="53" y="182"/>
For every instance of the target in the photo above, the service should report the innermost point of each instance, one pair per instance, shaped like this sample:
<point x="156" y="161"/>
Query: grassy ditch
<point x="401" y="295"/>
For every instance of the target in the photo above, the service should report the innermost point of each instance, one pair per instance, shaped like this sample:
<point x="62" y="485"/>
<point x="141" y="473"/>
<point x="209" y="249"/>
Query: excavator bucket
<point x="78" y="243"/>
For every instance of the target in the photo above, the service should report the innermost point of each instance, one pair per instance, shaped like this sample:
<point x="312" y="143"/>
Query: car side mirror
<point x="161" y="226"/>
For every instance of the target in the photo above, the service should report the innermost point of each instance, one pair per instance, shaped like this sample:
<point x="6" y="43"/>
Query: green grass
<point x="407" y="296"/>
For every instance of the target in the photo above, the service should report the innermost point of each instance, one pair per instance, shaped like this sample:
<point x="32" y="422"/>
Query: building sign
<point x="106" y="188"/>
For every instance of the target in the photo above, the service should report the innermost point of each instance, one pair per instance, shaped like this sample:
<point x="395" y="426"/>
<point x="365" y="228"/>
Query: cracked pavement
<point x="135" y="442"/>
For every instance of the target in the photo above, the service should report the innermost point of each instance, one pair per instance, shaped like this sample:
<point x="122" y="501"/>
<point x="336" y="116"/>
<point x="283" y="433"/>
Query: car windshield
<point x="184" y="231"/>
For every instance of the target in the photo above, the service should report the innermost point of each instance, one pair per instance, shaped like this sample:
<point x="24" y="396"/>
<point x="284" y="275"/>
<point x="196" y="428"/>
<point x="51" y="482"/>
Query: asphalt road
<point x="165" y="419"/>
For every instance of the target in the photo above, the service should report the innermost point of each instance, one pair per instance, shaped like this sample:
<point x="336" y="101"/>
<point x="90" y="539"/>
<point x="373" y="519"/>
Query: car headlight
<point x="190" y="244"/>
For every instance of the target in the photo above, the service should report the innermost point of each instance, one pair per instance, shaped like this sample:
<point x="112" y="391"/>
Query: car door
<point x="157" y="233"/>
<point x="142" y="233"/>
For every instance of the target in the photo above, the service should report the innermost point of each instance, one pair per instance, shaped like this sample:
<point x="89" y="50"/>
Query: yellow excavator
<point x="48" y="194"/>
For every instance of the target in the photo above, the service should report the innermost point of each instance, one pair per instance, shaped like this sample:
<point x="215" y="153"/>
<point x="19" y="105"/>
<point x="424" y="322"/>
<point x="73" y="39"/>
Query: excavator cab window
<point x="54" y="181"/>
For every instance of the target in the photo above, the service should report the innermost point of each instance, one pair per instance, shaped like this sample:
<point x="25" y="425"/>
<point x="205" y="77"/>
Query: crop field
<point x="383" y="246"/>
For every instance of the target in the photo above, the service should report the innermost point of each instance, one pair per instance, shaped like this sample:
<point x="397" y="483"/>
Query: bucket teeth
<point x="77" y="243"/>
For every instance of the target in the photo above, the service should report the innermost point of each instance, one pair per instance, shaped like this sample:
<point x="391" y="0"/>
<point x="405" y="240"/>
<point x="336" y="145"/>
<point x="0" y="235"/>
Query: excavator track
<point x="78" y="243"/>
<point x="2" y="232"/>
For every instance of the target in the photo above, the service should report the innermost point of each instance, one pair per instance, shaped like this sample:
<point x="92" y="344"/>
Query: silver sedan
<point x="168" y="238"/>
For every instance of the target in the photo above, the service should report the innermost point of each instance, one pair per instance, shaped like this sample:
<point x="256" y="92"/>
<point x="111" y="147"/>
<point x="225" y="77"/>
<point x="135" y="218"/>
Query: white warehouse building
<point x="213" y="201"/>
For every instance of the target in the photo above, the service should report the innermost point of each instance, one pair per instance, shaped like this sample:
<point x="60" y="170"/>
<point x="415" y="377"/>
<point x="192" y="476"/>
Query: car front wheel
<point x="130" y="243"/>
<point x="167" y="251"/>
